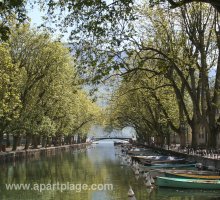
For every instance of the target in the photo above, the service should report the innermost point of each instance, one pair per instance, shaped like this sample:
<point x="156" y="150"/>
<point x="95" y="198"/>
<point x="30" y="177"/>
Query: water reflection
<point x="179" y="194"/>
<point x="132" y="198"/>
<point x="97" y="165"/>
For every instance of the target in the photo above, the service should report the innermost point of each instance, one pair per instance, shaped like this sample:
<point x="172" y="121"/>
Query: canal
<point x="96" y="166"/>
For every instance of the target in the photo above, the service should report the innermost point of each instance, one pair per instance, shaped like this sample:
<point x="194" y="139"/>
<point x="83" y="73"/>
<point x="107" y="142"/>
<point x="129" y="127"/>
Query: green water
<point x="98" y="165"/>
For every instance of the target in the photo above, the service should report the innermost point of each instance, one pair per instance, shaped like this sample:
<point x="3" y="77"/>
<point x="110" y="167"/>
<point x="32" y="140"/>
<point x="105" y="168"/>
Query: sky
<point x="36" y="14"/>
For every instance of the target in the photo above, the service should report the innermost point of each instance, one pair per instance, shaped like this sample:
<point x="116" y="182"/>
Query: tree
<point x="179" y="3"/>
<point x="11" y="8"/>
<point x="10" y="103"/>
<point x="182" y="51"/>
<point x="49" y="91"/>
<point x="148" y="103"/>
<point x="188" y="50"/>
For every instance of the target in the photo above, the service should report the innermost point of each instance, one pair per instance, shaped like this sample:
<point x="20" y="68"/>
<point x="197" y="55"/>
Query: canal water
<point x="97" y="165"/>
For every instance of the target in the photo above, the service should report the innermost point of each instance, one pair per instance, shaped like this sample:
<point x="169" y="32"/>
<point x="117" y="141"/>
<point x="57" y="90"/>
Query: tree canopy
<point x="184" y="54"/>
<point x="179" y="3"/>
<point x="161" y="55"/>
<point x="41" y="93"/>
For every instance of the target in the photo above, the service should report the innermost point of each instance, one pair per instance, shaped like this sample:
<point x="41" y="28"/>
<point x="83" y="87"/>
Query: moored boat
<point x="172" y="165"/>
<point x="192" y="176"/>
<point x="187" y="171"/>
<point x="149" y="160"/>
<point x="162" y="172"/>
<point x="143" y="158"/>
<point x="188" y="183"/>
<point x="137" y="151"/>
<point x="163" y="160"/>
<point x="118" y="143"/>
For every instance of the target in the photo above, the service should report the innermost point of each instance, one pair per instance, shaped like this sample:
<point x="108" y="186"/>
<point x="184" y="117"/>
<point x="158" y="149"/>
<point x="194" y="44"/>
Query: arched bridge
<point x="111" y="138"/>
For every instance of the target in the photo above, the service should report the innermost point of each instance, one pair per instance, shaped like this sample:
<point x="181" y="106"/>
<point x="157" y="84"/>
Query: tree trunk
<point x="78" y="139"/>
<point x="72" y="140"/>
<point x="212" y="137"/>
<point x="27" y="142"/>
<point x="8" y="144"/>
<point x="59" y="141"/>
<point x="84" y="139"/>
<point x="162" y="140"/>
<point x="214" y="116"/>
<point x="182" y="136"/>
<point x="49" y="141"/>
<point x="44" y="141"/>
<point x="34" y="141"/>
<point x="15" y="142"/>
<point x="1" y="141"/>
<point x="168" y="140"/>
<point x="196" y="128"/>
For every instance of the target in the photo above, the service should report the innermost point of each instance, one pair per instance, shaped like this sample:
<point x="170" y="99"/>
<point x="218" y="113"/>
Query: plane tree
<point x="184" y="52"/>
<point x="10" y="103"/>
<point x="148" y="104"/>
<point x="50" y="91"/>
<point x="180" y="3"/>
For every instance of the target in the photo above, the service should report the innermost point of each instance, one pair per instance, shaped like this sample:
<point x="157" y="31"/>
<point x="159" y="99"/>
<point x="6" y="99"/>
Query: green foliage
<point x="179" y="3"/>
<point x="171" y="70"/>
<point x="10" y="79"/>
<point x="46" y="127"/>
<point x="145" y="103"/>
<point x="95" y="26"/>
<point x="48" y="91"/>
<point x="8" y="9"/>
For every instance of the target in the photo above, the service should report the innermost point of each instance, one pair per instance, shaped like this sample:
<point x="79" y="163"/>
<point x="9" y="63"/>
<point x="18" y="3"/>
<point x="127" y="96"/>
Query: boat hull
<point x="152" y="162"/>
<point x="162" y="172"/>
<point x="171" y="166"/>
<point x="139" y="152"/>
<point x="192" y="176"/>
<point x="188" y="183"/>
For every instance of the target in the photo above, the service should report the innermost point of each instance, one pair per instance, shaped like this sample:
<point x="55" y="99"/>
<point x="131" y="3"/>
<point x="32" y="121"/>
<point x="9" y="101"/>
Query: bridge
<point x="111" y="138"/>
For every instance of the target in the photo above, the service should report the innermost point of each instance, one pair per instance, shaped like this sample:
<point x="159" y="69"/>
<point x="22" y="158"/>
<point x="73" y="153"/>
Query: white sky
<point x="36" y="14"/>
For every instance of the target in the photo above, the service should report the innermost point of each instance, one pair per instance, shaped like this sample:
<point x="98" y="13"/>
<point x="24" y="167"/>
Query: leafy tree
<point x="11" y="8"/>
<point x="148" y="103"/>
<point x="177" y="51"/>
<point x="53" y="104"/>
<point x="179" y="3"/>
<point x="10" y="103"/>
<point x="184" y="48"/>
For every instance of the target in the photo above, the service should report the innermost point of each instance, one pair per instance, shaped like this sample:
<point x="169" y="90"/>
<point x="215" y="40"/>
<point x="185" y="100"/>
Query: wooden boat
<point x="142" y="157"/>
<point x="162" y="172"/>
<point x="146" y="157"/>
<point x="95" y="143"/>
<point x="162" y="159"/>
<point x="138" y="151"/>
<point x="186" y="171"/>
<point x="172" y="165"/>
<point x="118" y="143"/>
<point x="138" y="158"/>
<point x="149" y="160"/>
<point x="192" y="176"/>
<point x="188" y="183"/>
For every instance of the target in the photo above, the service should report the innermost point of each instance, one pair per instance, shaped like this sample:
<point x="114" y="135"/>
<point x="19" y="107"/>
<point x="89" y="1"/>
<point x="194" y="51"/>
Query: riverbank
<point x="12" y="156"/>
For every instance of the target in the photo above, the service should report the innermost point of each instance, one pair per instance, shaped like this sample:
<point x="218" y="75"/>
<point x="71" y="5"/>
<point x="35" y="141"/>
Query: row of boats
<point x="169" y="171"/>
